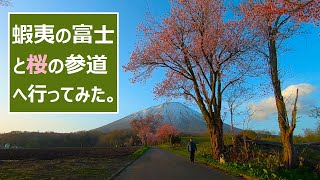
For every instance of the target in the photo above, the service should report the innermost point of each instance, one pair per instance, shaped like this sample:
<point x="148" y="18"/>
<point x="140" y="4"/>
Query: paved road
<point x="161" y="164"/>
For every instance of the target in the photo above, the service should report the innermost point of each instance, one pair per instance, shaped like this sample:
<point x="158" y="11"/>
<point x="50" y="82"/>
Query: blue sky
<point x="301" y="64"/>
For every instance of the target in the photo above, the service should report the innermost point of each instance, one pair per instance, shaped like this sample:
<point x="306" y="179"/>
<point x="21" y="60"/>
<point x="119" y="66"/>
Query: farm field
<point x="67" y="163"/>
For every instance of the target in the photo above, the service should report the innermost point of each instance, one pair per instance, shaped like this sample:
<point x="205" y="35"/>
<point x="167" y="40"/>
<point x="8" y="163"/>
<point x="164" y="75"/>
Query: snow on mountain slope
<point x="182" y="117"/>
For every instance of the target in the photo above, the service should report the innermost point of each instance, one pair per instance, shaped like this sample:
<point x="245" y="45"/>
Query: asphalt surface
<point x="157" y="163"/>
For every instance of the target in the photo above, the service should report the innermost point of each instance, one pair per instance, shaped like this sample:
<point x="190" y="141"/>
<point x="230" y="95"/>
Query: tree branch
<point x="294" y="113"/>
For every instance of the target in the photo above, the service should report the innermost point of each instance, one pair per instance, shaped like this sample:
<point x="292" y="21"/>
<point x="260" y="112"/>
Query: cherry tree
<point x="166" y="132"/>
<point x="146" y="128"/>
<point x="201" y="54"/>
<point x="151" y="138"/>
<point x="273" y="21"/>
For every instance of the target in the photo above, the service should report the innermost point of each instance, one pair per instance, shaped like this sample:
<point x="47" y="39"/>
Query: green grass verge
<point x="139" y="152"/>
<point x="247" y="171"/>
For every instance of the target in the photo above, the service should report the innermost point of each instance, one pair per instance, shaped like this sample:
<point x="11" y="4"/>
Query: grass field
<point x="65" y="163"/>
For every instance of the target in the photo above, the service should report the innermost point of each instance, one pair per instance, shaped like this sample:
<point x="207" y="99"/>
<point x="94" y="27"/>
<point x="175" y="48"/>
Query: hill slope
<point x="184" y="118"/>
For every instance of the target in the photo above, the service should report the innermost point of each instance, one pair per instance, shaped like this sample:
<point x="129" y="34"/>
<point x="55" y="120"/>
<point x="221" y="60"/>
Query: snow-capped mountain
<point x="182" y="117"/>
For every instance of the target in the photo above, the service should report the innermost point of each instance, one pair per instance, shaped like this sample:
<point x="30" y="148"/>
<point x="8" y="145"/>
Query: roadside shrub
<point x="175" y="140"/>
<point x="204" y="149"/>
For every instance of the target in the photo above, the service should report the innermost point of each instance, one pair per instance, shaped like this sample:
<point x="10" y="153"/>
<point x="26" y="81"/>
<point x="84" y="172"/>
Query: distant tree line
<point x="145" y="131"/>
<point x="75" y="139"/>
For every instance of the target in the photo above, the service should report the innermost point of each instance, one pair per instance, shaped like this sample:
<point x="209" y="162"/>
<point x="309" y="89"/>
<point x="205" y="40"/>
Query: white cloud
<point x="267" y="107"/>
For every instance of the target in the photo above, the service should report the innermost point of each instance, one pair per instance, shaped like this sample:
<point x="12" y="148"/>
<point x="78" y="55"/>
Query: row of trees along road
<point x="204" y="53"/>
<point x="151" y="130"/>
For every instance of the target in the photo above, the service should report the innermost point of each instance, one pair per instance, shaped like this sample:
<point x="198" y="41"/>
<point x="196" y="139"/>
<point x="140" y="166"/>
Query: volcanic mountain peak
<point x="182" y="117"/>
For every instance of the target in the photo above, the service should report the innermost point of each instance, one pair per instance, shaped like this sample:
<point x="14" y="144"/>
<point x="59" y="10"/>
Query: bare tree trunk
<point x="286" y="129"/>
<point x="245" y="146"/>
<point x="288" y="150"/>
<point x="232" y="125"/>
<point x="216" y="138"/>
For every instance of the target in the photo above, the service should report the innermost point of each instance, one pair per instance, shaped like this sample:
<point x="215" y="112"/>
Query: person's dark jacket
<point x="192" y="146"/>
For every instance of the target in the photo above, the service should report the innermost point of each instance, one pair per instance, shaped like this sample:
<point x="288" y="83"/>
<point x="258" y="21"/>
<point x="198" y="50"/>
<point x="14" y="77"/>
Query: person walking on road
<point x="192" y="148"/>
